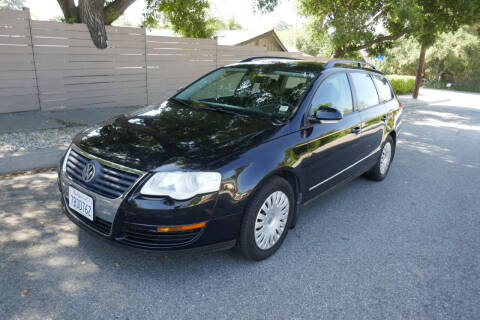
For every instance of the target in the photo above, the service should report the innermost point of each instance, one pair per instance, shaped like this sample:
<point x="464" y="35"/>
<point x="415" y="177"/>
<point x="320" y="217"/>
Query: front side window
<point x="365" y="90"/>
<point x="384" y="90"/>
<point x="334" y="93"/>
<point x="272" y="90"/>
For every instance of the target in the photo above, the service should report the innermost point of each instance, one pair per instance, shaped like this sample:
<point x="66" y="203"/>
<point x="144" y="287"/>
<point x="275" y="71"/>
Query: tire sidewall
<point x="392" y="145"/>
<point x="247" y="237"/>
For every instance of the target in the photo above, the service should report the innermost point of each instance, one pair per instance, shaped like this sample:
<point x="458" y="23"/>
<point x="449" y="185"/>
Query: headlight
<point x="181" y="185"/>
<point x="64" y="164"/>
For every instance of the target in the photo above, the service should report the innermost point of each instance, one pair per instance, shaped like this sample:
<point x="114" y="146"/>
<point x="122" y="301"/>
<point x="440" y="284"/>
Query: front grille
<point x="108" y="182"/>
<point x="141" y="236"/>
<point x="98" y="224"/>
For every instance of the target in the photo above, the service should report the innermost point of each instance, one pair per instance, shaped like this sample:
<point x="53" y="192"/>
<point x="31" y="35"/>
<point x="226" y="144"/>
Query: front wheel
<point x="267" y="219"/>
<point x="379" y="171"/>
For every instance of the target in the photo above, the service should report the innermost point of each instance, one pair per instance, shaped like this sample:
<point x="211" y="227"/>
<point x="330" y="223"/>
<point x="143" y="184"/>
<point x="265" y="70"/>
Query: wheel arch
<point x="393" y="134"/>
<point x="293" y="179"/>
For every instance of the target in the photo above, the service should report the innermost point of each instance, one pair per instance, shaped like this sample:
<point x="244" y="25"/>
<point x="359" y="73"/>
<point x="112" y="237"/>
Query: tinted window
<point x="365" y="90"/>
<point x="272" y="90"/>
<point x="383" y="87"/>
<point x="335" y="93"/>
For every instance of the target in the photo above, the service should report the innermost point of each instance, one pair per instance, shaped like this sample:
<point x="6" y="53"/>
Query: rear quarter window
<point x="364" y="89"/>
<point x="384" y="89"/>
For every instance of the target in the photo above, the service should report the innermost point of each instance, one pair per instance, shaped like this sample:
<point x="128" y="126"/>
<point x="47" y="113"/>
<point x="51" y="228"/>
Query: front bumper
<point x="132" y="220"/>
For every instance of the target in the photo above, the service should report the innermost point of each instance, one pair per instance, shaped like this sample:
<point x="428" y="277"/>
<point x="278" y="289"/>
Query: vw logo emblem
<point x="88" y="172"/>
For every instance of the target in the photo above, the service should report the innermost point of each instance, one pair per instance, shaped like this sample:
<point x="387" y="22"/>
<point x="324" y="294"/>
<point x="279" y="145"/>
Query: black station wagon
<point x="229" y="159"/>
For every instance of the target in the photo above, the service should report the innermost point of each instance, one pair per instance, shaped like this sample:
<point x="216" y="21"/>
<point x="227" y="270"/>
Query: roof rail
<point x="332" y="63"/>
<point x="265" y="57"/>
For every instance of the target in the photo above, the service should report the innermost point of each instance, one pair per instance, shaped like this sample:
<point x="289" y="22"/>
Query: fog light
<point x="182" y="228"/>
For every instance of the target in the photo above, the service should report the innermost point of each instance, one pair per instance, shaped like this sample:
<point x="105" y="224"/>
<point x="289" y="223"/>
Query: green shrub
<point x="402" y="84"/>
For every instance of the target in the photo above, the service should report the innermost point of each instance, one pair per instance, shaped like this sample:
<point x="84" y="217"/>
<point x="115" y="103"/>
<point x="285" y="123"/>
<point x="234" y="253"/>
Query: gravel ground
<point x="34" y="140"/>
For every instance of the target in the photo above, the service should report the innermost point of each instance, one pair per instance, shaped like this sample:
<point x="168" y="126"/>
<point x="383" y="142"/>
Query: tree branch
<point x="341" y="52"/>
<point x="115" y="9"/>
<point x="378" y="40"/>
<point x="68" y="8"/>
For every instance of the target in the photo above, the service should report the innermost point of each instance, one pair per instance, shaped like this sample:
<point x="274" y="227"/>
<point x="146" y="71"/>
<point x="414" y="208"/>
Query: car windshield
<point x="273" y="90"/>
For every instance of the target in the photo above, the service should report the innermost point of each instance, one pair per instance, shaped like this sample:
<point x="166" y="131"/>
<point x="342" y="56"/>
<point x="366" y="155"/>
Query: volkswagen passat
<point x="229" y="159"/>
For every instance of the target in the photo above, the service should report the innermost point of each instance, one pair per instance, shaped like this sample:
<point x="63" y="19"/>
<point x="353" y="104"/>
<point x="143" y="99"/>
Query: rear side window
<point x="384" y="90"/>
<point x="335" y="93"/>
<point x="365" y="90"/>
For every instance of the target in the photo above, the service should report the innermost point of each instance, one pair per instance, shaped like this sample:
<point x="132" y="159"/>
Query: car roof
<point x="299" y="65"/>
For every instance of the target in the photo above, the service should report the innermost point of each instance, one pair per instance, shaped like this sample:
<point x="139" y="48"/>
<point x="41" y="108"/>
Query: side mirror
<point x="326" y="113"/>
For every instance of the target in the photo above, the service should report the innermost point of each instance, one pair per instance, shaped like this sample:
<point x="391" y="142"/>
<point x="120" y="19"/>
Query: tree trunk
<point x="338" y="53"/>
<point x="95" y="14"/>
<point x="70" y="11"/>
<point x="419" y="76"/>
<point x="91" y="13"/>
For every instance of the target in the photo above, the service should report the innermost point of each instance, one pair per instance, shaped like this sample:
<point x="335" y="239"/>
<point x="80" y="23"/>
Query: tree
<point x="354" y="25"/>
<point x="95" y="14"/>
<point x="12" y="4"/>
<point x="438" y="16"/>
<point x="234" y="25"/>
<point x="453" y="58"/>
<point x="186" y="17"/>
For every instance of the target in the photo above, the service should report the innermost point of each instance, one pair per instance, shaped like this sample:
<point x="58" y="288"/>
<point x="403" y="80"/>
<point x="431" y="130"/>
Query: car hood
<point x="172" y="136"/>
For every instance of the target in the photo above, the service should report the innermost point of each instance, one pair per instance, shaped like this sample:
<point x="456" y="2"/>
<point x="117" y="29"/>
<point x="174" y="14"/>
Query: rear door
<point x="333" y="146"/>
<point x="387" y="98"/>
<point x="372" y="112"/>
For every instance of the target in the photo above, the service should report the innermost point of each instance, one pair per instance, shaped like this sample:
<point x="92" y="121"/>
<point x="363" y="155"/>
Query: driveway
<point x="407" y="247"/>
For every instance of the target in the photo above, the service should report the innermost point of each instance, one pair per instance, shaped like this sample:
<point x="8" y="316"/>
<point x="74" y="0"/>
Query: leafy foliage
<point x="12" y="4"/>
<point x="453" y="58"/>
<point x="188" y="18"/>
<point x="353" y="25"/>
<point x="218" y="24"/>
<point x="376" y="24"/>
<point x="402" y="84"/>
<point x="234" y="25"/>
<point x="265" y="6"/>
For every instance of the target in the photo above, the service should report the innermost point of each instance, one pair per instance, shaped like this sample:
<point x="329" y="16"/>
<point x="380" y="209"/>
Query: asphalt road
<point x="404" y="248"/>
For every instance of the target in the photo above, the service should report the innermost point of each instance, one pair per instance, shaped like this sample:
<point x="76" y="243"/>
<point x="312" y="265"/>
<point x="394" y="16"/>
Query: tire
<point x="380" y="170"/>
<point x="268" y="218"/>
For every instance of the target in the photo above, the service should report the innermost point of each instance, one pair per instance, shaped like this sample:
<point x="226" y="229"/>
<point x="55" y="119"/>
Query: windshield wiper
<point x="204" y="106"/>
<point x="183" y="102"/>
<point x="220" y="109"/>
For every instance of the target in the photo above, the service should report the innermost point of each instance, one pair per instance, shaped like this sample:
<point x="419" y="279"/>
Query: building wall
<point x="268" y="42"/>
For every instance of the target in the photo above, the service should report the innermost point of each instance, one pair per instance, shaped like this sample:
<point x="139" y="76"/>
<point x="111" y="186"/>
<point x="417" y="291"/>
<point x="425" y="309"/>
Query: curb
<point x="44" y="158"/>
<point x="420" y="103"/>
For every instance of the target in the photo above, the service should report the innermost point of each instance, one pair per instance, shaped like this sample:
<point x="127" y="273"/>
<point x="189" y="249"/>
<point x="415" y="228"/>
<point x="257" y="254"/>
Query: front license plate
<point x="80" y="202"/>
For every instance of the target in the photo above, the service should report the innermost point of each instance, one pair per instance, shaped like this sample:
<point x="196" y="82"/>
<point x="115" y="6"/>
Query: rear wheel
<point x="267" y="219"/>
<point x="380" y="170"/>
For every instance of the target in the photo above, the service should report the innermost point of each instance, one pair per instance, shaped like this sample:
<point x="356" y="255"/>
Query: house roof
<point x="243" y="37"/>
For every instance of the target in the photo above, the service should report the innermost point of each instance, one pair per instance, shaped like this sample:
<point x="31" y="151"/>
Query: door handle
<point x="356" y="130"/>
<point x="384" y="118"/>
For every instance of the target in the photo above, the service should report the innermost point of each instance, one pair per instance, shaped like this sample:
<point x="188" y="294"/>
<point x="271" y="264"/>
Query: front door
<point x="333" y="146"/>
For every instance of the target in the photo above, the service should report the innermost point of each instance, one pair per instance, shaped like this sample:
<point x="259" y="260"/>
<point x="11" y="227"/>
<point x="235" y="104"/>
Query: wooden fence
<point x="54" y="66"/>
